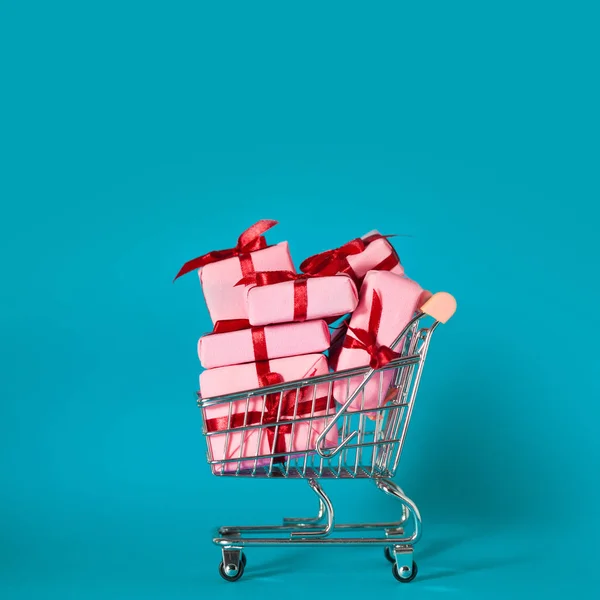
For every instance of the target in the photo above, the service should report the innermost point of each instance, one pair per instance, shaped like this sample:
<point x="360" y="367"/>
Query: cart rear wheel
<point x="389" y="555"/>
<point x="229" y="574"/>
<point x="399" y="576"/>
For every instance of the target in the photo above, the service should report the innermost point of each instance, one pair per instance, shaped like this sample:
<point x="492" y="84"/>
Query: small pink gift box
<point x="283" y="297"/>
<point x="262" y="343"/>
<point x="292" y="436"/>
<point x="371" y="252"/>
<point x="387" y="303"/>
<point x="220" y="270"/>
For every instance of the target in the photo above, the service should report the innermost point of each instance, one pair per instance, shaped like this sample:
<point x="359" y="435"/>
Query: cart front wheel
<point x="403" y="578"/>
<point x="230" y="573"/>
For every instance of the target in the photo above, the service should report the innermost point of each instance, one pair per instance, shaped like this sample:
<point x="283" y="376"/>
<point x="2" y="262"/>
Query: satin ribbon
<point x="366" y="339"/>
<point x="259" y="345"/>
<point x="262" y="278"/>
<point x="277" y="446"/>
<point x="249" y="241"/>
<point x="272" y="413"/>
<point x="265" y="378"/>
<point x="333" y="262"/>
<point x="227" y="325"/>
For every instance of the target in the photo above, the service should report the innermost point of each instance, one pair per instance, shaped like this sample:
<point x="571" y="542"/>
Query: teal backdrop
<point x="137" y="135"/>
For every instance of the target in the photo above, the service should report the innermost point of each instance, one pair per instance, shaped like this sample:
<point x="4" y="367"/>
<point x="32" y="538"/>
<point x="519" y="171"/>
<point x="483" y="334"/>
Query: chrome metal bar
<point x="287" y="521"/>
<point x="298" y="529"/>
<point x="231" y="531"/>
<point x="368" y="375"/>
<point x="290" y="453"/>
<point x="366" y="448"/>
<point x="307" y="541"/>
<point x="325" y="530"/>
<point x="285" y="421"/>
<point x="390" y="488"/>
<point x="289" y="385"/>
<point x="423" y="351"/>
<point x="404" y="376"/>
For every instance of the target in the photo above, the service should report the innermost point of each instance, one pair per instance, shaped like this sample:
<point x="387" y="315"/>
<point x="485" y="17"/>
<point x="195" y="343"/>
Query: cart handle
<point x="441" y="306"/>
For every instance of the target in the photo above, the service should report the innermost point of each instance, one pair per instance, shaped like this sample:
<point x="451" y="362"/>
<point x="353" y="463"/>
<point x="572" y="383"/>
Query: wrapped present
<point x="287" y="437"/>
<point x="219" y="270"/>
<point x="284" y="296"/>
<point x="371" y="252"/>
<point x="262" y="343"/>
<point x="387" y="303"/>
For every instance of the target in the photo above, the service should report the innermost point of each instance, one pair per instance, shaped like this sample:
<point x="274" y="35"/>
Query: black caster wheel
<point x="233" y="576"/>
<point x="389" y="555"/>
<point x="405" y="579"/>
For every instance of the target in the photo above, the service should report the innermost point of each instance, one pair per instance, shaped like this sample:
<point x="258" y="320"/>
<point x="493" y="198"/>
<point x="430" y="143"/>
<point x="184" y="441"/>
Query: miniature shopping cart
<point x="369" y="447"/>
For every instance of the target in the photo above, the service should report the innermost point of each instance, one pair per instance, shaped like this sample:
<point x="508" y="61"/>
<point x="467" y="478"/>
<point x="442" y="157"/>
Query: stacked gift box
<point x="271" y="325"/>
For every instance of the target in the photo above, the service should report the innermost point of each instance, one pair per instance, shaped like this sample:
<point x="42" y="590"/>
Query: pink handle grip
<point x="440" y="306"/>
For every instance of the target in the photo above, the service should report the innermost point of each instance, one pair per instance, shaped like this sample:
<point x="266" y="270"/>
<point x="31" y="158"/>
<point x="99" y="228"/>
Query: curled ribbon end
<point x="252" y="239"/>
<point x="182" y="272"/>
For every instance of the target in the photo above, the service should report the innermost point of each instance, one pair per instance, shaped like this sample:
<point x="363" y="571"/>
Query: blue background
<point x="134" y="136"/>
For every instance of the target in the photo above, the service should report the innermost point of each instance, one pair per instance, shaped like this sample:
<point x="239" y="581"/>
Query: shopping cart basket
<point x="369" y="447"/>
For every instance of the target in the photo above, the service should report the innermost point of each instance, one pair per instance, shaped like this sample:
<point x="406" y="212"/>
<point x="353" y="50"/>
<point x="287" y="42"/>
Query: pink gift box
<point x="371" y="252"/>
<point x="400" y="298"/>
<point x="220" y="270"/>
<point x="322" y="297"/>
<point x="374" y="258"/>
<point x="250" y="443"/>
<point x="224" y="300"/>
<point x="261" y="343"/>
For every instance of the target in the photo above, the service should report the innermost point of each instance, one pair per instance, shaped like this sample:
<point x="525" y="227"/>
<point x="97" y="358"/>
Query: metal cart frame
<point x="370" y="448"/>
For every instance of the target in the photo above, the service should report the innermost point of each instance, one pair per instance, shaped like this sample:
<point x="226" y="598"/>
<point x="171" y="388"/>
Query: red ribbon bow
<point x="366" y="339"/>
<point x="332" y="262"/>
<point x="249" y="241"/>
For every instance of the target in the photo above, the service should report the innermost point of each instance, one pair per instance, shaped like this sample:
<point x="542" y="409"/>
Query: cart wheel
<point x="389" y="555"/>
<point x="399" y="577"/>
<point x="231" y="575"/>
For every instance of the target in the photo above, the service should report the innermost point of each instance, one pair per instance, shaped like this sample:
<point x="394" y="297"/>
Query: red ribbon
<point x="333" y="262"/>
<point x="272" y="402"/>
<point x="249" y="241"/>
<point x="259" y="344"/>
<point x="366" y="339"/>
<point x="270" y="413"/>
<point x="388" y="263"/>
<point x="262" y="278"/>
<point x="265" y="378"/>
<point x="227" y="325"/>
